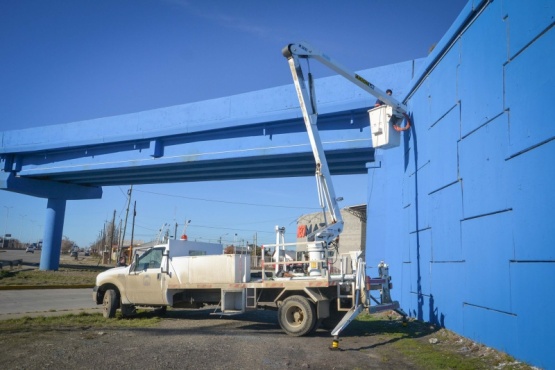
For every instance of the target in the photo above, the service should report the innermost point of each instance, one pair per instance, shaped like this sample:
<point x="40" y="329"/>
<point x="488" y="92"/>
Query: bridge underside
<point x="261" y="150"/>
<point x="341" y="162"/>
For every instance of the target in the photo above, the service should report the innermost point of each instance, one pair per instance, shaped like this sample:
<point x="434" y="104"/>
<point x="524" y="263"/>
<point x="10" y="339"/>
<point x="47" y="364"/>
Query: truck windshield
<point x="150" y="259"/>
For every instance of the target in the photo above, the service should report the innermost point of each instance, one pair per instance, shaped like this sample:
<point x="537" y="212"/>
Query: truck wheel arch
<point x="103" y="289"/>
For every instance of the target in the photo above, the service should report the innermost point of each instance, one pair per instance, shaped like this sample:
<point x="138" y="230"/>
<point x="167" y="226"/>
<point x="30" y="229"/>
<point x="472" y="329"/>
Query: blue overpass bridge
<point x="259" y="134"/>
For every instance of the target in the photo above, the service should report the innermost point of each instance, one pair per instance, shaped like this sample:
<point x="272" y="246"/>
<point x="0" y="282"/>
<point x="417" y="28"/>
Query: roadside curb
<point x="28" y="287"/>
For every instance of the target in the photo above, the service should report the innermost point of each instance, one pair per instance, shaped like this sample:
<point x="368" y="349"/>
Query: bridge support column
<point x="52" y="239"/>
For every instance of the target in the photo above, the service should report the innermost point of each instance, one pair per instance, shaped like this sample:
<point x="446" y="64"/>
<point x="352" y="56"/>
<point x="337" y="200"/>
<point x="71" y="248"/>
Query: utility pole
<point x="112" y="237"/>
<point x="175" y="232"/>
<point x="129" y="192"/>
<point x="132" y="232"/>
<point x="118" y="240"/>
<point x="103" y="250"/>
<point x="254" y="259"/>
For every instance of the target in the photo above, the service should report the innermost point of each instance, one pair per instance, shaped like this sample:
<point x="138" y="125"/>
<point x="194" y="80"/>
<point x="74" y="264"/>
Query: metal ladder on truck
<point x="306" y="95"/>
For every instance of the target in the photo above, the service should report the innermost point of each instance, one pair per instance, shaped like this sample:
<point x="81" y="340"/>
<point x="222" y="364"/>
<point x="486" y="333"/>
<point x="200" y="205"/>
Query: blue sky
<point x="67" y="61"/>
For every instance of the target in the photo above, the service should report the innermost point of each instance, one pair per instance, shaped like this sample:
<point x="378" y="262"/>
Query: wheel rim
<point x="106" y="303"/>
<point x="295" y="316"/>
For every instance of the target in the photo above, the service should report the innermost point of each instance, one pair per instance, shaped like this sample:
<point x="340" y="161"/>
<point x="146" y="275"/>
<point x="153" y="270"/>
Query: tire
<point x="110" y="304"/>
<point x="297" y="316"/>
<point x="128" y="310"/>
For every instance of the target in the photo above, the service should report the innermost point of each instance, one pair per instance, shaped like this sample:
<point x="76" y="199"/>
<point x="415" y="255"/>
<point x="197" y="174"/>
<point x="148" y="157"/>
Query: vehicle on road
<point x="30" y="249"/>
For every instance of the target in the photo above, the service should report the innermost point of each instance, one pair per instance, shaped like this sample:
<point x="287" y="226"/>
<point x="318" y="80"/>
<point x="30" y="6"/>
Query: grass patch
<point x="431" y="356"/>
<point x="5" y="274"/>
<point x="449" y="351"/>
<point x="81" y="320"/>
<point x="64" y="276"/>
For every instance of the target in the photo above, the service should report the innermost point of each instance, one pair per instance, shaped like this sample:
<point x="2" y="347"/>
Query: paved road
<point x="40" y="302"/>
<point x="28" y="258"/>
<point x="33" y="259"/>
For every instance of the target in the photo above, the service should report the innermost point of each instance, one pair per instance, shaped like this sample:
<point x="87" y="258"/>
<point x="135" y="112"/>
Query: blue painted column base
<point x="52" y="239"/>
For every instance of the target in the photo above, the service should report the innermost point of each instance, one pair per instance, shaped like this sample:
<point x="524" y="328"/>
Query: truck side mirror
<point x="165" y="268"/>
<point x="135" y="263"/>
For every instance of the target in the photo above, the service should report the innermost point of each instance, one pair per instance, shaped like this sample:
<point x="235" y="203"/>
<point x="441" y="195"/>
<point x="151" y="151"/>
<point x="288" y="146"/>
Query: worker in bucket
<point x="379" y="102"/>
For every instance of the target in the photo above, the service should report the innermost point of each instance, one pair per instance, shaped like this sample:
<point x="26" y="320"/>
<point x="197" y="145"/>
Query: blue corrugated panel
<point x="487" y="250"/>
<point x="408" y="193"/>
<point x="532" y="176"/>
<point x="480" y="79"/>
<point x="529" y="91"/>
<point x="443" y="85"/>
<point x="526" y="21"/>
<point x="421" y="248"/>
<point x="419" y="108"/>
<point x="493" y="328"/>
<point x="447" y="286"/>
<point x="443" y="138"/>
<point x="403" y="286"/>
<point x="534" y="284"/>
<point x="445" y="216"/>
<point x="484" y="170"/>
<point x="408" y="215"/>
<point x="497" y="291"/>
<point x="385" y="232"/>
<point x="413" y="195"/>
<point x="422" y="190"/>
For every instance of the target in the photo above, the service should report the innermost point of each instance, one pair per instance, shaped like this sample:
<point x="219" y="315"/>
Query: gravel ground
<point x="194" y="340"/>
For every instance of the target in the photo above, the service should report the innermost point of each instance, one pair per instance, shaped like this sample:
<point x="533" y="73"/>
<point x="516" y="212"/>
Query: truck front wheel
<point x="296" y="316"/>
<point x="110" y="304"/>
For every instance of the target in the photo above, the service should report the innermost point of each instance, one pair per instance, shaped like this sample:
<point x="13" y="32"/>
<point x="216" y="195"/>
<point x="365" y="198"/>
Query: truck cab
<point x="153" y="272"/>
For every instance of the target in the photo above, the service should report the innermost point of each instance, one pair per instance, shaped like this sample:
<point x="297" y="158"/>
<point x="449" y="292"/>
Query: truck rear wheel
<point x="296" y="316"/>
<point x="110" y="304"/>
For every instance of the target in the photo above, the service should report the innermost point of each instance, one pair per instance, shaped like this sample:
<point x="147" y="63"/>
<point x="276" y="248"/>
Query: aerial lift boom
<point x="333" y="228"/>
<point x="304" y="50"/>
<point x="294" y="53"/>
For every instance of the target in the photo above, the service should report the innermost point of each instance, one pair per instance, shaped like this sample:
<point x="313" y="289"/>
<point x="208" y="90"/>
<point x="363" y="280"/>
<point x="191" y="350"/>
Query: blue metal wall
<point x="462" y="211"/>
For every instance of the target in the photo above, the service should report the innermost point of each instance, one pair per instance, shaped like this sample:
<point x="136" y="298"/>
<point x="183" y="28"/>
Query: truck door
<point x="144" y="285"/>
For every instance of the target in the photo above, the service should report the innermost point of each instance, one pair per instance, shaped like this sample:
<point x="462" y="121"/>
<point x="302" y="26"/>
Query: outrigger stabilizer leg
<point x="383" y="284"/>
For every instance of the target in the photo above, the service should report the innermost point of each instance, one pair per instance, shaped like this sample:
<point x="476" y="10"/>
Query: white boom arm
<point x="293" y="53"/>
<point x="304" y="50"/>
<point x="326" y="193"/>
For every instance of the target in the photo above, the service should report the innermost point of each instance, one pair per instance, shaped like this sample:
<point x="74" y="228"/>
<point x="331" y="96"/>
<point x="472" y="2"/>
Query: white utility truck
<point x="186" y="274"/>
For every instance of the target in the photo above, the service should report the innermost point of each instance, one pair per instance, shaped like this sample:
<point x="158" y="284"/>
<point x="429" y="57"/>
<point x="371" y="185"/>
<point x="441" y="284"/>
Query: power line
<point x="226" y="201"/>
<point x="233" y="229"/>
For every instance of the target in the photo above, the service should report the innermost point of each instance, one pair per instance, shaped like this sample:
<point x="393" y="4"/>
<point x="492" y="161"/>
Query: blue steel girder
<point x="265" y="149"/>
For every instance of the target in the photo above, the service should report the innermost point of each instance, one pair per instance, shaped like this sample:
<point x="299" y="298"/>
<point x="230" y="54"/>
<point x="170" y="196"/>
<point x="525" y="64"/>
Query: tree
<point x="67" y="244"/>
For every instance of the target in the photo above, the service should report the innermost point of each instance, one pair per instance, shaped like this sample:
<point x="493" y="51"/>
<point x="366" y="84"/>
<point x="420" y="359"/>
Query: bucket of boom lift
<point x="381" y="125"/>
